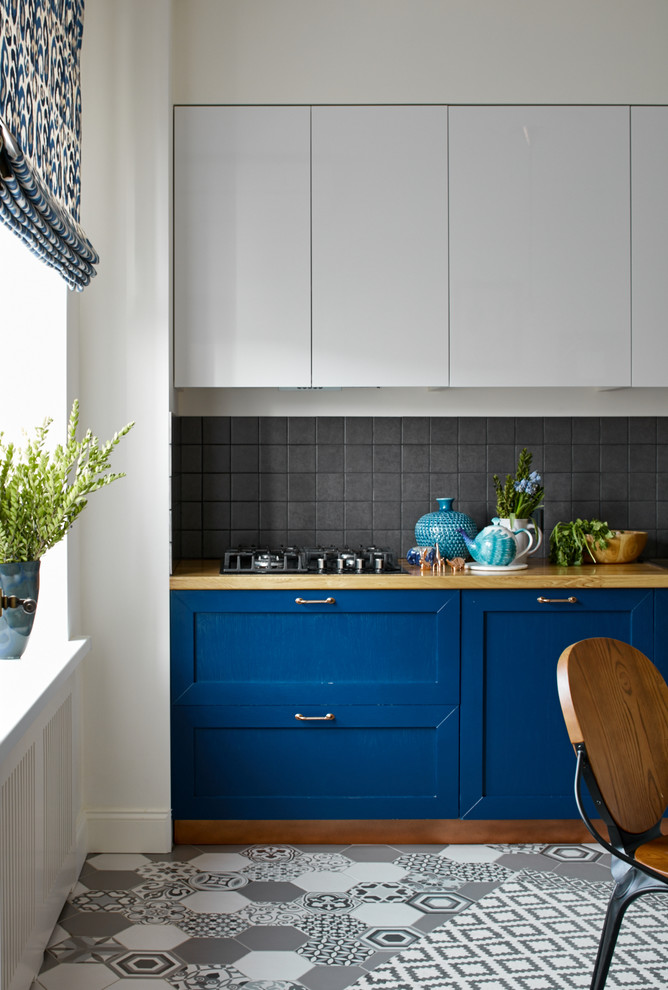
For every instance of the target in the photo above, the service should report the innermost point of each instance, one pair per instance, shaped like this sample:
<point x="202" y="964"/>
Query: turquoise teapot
<point x="496" y="545"/>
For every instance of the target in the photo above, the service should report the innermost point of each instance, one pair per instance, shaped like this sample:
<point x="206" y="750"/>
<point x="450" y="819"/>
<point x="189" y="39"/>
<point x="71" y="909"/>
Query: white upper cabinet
<point x="242" y="294"/>
<point x="649" y="174"/>
<point x="380" y="246"/>
<point x="539" y="246"/>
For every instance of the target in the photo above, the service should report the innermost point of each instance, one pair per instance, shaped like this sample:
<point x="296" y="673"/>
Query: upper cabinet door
<point x="649" y="178"/>
<point x="539" y="246"/>
<point x="380" y="246"/>
<point x="242" y="310"/>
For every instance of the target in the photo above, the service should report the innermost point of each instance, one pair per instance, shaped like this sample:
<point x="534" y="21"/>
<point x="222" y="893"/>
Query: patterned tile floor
<point x="265" y="917"/>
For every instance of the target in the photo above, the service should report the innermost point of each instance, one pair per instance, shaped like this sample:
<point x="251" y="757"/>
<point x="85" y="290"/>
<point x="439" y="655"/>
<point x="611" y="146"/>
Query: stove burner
<point x="308" y="560"/>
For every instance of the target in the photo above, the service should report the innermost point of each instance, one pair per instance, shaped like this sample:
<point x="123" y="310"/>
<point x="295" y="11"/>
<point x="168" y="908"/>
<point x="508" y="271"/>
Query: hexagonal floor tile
<point x="266" y="890"/>
<point x="215" y="902"/>
<point x="210" y="950"/>
<point x="147" y="963"/>
<point x="324" y="880"/>
<point x="151" y="937"/>
<point x="274" y="938"/>
<point x="75" y="976"/>
<point x="437" y="902"/>
<point x="391" y="938"/>
<point x="376" y="872"/>
<point x="573" y="854"/>
<point x="117" y="861"/>
<point x="387" y="915"/>
<point x="372" y="854"/>
<point x="471" y="854"/>
<point x="273" y="965"/>
<point x="219" y="862"/>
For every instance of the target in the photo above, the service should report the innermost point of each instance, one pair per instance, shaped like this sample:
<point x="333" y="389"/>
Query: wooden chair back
<point x="615" y="701"/>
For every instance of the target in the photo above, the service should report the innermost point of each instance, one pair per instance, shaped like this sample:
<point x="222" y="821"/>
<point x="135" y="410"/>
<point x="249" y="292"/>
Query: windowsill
<point x="26" y="685"/>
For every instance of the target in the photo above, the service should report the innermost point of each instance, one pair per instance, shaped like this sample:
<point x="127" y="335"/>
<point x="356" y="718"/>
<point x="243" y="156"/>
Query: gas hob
<point x="309" y="560"/>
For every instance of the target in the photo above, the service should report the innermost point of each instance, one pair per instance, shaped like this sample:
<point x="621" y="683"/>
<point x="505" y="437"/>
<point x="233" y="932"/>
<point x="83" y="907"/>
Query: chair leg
<point x="633" y="883"/>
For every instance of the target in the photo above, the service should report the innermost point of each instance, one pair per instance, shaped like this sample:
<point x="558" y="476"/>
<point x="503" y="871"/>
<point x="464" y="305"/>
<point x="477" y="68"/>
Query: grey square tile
<point x="329" y="487"/>
<point x="216" y="429"/>
<point x="642" y="457"/>
<point x="191" y="515"/>
<point x="301" y="457"/>
<point x="386" y="515"/>
<point x="216" y="515"/>
<point x="386" y="487"/>
<point x="301" y="487"/>
<point x="359" y="487"/>
<point x="191" y="544"/>
<point x="301" y="429"/>
<point x="443" y="457"/>
<point x="358" y="457"/>
<point x="473" y="486"/>
<point x="614" y="487"/>
<point x="586" y="457"/>
<point x="330" y="429"/>
<point x="472" y="457"/>
<point x="273" y="457"/>
<point x="329" y="515"/>
<point x="473" y="429"/>
<point x="415" y="457"/>
<point x="586" y="429"/>
<point x="215" y="543"/>
<point x="273" y="515"/>
<point x="389" y="539"/>
<point x="501" y="460"/>
<point x="444" y="429"/>
<point x="387" y="457"/>
<point x="330" y="457"/>
<point x="244" y="429"/>
<point x="387" y="429"/>
<point x="301" y="515"/>
<point x="614" y="429"/>
<point x="557" y="429"/>
<point x="273" y="429"/>
<point x="642" y="486"/>
<point x="500" y="430"/>
<point x="614" y="458"/>
<point x="415" y="429"/>
<point x="244" y="515"/>
<point x="414" y="486"/>
<point x="358" y="515"/>
<point x="215" y="487"/>
<point x="190" y="429"/>
<point x="443" y="485"/>
<point x="586" y="485"/>
<point x="359" y="429"/>
<point x="359" y="537"/>
<point x="642" y="429"/>
<point x="529" y="431"/>
<point x="273" y="487"/>
<point x="330" y="537"/>
<point x="191" y="459"/>
<point x="243" y="457"/>
<point x="245" y="487"/>
<point x="190" y="487"/>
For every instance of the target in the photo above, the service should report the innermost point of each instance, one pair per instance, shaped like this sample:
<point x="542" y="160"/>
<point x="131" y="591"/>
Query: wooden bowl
<point x="622" y="548"/>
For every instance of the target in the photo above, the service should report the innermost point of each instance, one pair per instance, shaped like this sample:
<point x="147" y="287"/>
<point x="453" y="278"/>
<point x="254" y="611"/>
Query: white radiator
<point x="40" y="857"/>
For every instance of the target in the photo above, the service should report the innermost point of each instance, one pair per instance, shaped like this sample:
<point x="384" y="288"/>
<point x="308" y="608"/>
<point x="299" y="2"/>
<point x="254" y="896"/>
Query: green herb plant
<point x="568" y="540"/>
<point x="521" y="495"/>
<point x="42" y="493"/>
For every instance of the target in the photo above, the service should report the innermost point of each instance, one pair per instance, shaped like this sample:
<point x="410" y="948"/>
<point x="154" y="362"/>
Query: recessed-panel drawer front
<point x="381" y="762"/>
<point x="350" y="647"/>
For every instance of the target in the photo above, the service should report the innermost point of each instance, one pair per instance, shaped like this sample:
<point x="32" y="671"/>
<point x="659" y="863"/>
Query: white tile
<point x="376" y="871"/>
<point x="471" y="854"/>
<point x="76" y="976"/>
<point x="118" y="861"/>
<point x="215" y="902"/>
<point x="324" y="880"/>
<point x="220" y="862"/>
<point x="151" y="937"/>
<point x="273" y="965"/>
<point x="387" y="915"/>
<point x="131" y="983"/>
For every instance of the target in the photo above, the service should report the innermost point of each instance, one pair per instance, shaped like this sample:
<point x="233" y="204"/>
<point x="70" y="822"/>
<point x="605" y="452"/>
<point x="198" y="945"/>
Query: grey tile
<point x="387" y="457"/>
<point x="662" y="457"/>
<point x="415" y="429"/>
<point x="275" y="538"/>
<point x="112" y="880"/>
<point x="559" y="486"/>
<point x="614" y="458"/>
<point x="443" y="485"/>
<point x="473" y="486"/>
<point x="301" y="487"/>
<point x="191" y="458"/>
<point x="586" y="429"/>
<point x="244" y="429"/>
<point x="273" y="516"/>
<point x="586" y="457"/>
<point x="358" y="515"/>
<point x="329" y="487"/>
<point x="558" y="457"/>
<point x="614" y="429"/>
<point x="273" y="429"/>
<point x="642" y="429"/>
<point x="301" y="515"/>
<point x="662" y="429"/>
<point x="359" y="537"/>
<point x="359" y="429"/>
<point x="273" y="458"/>
<point x="372" y="853"/>
<point x="301" y="457"/>
<point x="358" y="457"/>
<point x="642" y="457"/>
<point x="330" y="537"/>
<point x="332" y="977"/>
<point x="359" y="487"/>
<point x="386" y="515"/>
<point x="191" y="544"/>
<point x="443" y="457"/>
<point x="244" y="515"/>
<point x="215" y="542"/>
<point x="330" y="457"/>
<point x="191" y="515"/>
<point x="557" y="429"/>
<point x="216" y="429"/>
<point x="243" y="457"/>
<point x="244" y="537"/>
<point x="390" y="539"/>
<point x="275" y="891"/>
<point x="472" y="430"/>
<point x="528" y="431"/>
<point x="190" y="429"/>
<point x="501" y="460"/>
<point x="500" y="430"/>
<point x="472" y="457"/>
<point x="444" y="429"/>
<point x="301" y="429"/>
<point x="245" y="487"/>
<point x="614" y="487"/>
<point x="642" y="486"/>
<point x="586" y="485"/>
<point x="415" y="457"/>
<point x="386" y="487"/>
<point x="329" y="515"/>
<point x="387" y="429"/>
<point x="272" y="938"/>
<point x="273" y="486"/>
<point x="414" y="486"/>
<point x="215" y="487"/>
<point x="211" y="951"/>
<point x="616" y="514"/>
<point x="190" y="487"/>
<point x="330" y="429"/>
<point x="216" y="515"/>
<point x="216" y="457"/>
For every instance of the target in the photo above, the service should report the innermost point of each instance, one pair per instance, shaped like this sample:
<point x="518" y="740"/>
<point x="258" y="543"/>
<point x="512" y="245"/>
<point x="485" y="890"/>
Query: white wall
<point x="433" y="51"/>
<point x="123" y="541"/>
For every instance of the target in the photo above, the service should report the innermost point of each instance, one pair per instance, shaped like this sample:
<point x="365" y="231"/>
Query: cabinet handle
<point x="315" y="601"/>
<point x="316" y="718"/>
<point x="567" y="601"/>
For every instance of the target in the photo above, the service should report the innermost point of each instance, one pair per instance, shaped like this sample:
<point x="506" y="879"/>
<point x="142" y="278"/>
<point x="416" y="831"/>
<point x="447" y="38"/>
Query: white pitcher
<point x="524" y="547"/>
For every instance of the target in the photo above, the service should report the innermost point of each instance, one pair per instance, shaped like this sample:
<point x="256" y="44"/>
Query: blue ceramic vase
<point x="22" y="581"/>
<point x="442" y="529"/>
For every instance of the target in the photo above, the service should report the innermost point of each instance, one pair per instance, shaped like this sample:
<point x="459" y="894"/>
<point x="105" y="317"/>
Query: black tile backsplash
<point x="362" y="480"/>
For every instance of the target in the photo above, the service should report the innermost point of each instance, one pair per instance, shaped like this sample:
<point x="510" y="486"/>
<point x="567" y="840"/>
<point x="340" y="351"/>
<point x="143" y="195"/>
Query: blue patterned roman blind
<point x="40" y="132"/>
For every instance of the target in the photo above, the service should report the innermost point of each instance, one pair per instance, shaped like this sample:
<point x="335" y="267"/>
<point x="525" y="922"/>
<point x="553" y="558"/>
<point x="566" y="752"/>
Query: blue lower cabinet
<point x="384" y="663"/>
<point x="262" y="763"/>
<point x="517" y="761"/>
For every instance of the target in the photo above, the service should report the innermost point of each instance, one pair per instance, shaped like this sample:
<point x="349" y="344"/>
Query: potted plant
<point x="41" y="495"/>
<point x="519" y="497"/>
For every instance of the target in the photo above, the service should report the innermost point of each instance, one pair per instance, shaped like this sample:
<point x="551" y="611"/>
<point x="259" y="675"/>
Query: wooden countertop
<point x="204" y="575"/>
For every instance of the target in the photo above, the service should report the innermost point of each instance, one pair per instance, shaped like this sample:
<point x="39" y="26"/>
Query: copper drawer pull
<point x="315" y="601"/>
<point x="566" y="601"/>
<point x="316" y="718"/>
